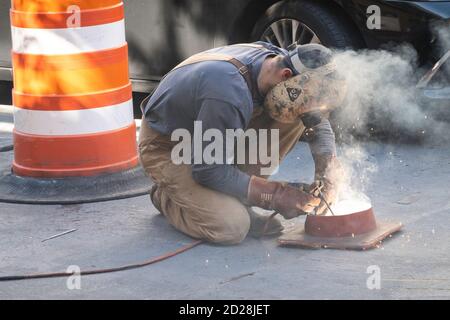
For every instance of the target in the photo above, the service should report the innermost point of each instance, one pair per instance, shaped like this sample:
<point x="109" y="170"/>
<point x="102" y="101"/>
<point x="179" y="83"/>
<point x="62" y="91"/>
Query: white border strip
<point x="74" y="122"/>
<point x="68" y="40"/>
<point x="298" y="65"/>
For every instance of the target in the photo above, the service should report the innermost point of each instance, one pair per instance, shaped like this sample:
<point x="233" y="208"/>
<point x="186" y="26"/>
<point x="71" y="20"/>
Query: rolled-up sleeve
<point x="323" y="140"/>
<point x="222" y="177"/>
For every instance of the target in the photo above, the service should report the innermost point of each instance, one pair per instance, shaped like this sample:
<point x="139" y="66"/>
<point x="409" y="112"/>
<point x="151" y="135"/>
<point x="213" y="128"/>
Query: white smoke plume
<point x="382" y="95"/>
<point x="441" y="31"/>
<point x="381" y="90"/>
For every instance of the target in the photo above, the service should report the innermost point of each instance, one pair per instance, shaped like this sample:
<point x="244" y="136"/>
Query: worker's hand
<point x="292" y="202"/>
<point x="329" y="176"/>
<point x="289" y="201"/>
<point x="327" y="191"/>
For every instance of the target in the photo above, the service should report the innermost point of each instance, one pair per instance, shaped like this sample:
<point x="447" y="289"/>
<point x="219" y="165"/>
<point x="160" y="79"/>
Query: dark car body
<point x="161" y="33"/>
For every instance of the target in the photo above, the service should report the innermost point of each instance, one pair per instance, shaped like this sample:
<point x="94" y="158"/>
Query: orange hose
<point x="102" y="271"/>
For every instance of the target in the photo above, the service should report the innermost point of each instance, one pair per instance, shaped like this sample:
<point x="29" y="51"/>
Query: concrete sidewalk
<point x="410" y="185"/>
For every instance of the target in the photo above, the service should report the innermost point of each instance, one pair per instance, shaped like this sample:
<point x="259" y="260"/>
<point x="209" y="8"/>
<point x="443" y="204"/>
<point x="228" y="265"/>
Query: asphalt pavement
<point x="406" y="182"/>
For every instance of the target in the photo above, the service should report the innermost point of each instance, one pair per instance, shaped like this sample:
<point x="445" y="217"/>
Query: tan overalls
<point x="195" y="210"/>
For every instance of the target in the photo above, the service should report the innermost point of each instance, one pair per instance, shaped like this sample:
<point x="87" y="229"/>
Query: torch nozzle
<point x="322" y="197"/>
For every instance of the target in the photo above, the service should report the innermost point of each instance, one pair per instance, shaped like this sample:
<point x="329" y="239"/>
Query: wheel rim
<point x="285" y="32"/>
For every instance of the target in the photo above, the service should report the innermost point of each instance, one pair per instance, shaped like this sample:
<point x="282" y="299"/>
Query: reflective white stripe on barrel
<point x="74" y="122"/>
<point x="68" y="40"/>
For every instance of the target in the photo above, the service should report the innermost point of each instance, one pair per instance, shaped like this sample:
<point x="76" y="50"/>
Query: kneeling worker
<point x="245" y="86"/>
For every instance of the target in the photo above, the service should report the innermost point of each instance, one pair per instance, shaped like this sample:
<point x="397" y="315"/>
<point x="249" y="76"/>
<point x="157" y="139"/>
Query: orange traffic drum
<point x="74" y="130"/>
<point x="72" y="94"/>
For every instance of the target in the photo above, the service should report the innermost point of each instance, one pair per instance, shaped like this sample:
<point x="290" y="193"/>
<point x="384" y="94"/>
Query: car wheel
<point x="305" y="22"/>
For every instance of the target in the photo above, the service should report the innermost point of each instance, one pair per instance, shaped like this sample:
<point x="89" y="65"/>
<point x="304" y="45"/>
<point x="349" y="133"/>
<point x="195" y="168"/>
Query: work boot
<point x="259" y="221"/>
<point x="155" y="197"/>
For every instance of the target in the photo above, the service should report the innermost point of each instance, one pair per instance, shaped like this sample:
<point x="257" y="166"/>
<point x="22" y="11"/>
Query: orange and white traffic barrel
<point x="72" y="94"/>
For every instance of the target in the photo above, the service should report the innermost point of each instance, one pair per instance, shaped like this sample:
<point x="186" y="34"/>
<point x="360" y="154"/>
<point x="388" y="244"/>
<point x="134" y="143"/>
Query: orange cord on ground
<point x="102" y="271"/>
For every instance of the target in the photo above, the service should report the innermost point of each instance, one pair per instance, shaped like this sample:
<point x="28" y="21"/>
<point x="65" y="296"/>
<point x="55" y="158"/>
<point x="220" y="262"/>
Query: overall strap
<point x="201" y="57"/>
<point x="204" y="56"/>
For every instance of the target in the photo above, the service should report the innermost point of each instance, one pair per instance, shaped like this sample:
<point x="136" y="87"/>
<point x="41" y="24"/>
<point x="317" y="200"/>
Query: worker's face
<point x="272" y="75"/>
<point x="282" y="75"/>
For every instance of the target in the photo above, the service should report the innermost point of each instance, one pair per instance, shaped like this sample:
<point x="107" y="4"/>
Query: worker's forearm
<point x="323" y="140"/>
<point x="222" y="178"/>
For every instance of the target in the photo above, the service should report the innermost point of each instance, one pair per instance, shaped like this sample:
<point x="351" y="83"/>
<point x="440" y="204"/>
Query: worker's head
<point x="316" y="87"/>
<point x="299" y="60"/>
<point x="274" y="71"/>
<point x="308" y="57"/>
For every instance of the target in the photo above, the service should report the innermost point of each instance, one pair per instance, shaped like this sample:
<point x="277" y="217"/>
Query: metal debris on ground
<point x="59" y="235"/>
<point x="238" y="277"/>
<point x="409" y="199"/>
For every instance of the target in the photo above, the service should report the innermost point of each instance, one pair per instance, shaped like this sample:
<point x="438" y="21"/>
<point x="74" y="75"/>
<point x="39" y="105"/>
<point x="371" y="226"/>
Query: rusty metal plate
<point x="341" y="226"/>
<point x="370" y="240"/>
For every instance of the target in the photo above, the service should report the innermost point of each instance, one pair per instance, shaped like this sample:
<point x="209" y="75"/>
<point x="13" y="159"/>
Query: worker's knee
<point x="230" y="229"/>
<point x="204" y="214"/>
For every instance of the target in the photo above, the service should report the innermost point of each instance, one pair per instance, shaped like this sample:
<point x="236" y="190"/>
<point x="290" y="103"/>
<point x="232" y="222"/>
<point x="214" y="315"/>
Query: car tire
<point x="332" y="28"/>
